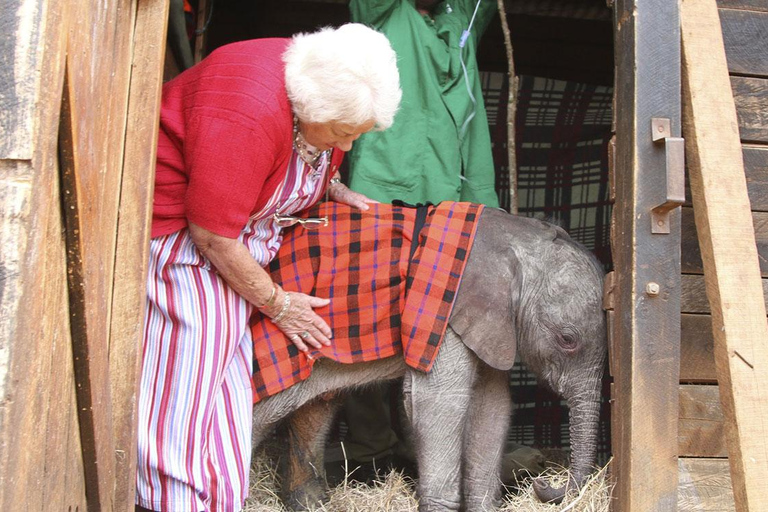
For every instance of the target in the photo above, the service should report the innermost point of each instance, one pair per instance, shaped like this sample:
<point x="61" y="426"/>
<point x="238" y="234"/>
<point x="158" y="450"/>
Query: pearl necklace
<point x="306" y="151"/>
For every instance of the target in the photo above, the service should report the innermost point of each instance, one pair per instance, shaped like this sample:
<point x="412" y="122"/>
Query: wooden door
<point x="79" y="99"/>
<point x="647" y="179"/>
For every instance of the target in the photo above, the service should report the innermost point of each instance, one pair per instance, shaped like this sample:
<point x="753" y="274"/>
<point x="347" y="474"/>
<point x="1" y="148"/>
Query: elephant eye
<point x="567" y="342"/>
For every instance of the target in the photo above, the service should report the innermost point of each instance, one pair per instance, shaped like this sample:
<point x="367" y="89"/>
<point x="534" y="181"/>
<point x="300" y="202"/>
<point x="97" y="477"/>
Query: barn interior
<point x="564" y="65"/>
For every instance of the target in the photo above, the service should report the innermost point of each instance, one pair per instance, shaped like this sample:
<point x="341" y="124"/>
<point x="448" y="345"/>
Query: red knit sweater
<point x="226" y="129"/>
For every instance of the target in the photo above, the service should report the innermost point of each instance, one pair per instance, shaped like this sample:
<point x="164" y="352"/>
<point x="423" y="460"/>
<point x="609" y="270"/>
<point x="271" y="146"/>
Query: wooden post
<point x="728" y="250"/>
<point x="645" y="361"/>
<point x="511" y="111"/>
<point x="132" y="255"/>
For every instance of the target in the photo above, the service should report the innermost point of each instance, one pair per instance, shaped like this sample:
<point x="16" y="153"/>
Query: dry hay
<point x="595" y="496"/>
<point x="395" y="493"/>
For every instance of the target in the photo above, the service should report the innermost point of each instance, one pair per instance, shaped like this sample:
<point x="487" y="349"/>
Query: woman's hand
<point x="294" y="314"/>
<point x="342" y="194"/>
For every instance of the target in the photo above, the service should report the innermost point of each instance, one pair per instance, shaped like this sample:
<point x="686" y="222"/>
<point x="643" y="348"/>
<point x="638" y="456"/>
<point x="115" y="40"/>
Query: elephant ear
<point x="484" y="313"/>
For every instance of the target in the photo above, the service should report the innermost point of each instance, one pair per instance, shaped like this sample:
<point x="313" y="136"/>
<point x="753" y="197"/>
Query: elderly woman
<point x="249" y="137"/>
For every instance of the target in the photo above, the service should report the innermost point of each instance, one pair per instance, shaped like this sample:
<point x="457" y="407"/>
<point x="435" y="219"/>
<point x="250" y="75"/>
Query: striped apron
<point x="195" y="394"/>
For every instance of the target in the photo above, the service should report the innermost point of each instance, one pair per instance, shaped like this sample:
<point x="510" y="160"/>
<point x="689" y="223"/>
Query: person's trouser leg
<point x="229" y="443"/>
<point x="370" y="435"/>
<point x="193" y="382"/>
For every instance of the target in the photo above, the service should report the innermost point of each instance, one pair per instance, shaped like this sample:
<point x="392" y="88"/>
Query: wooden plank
<point x="64" y="484"/>
<point x="647" y="328"/>
<point x="746" y="41"/>
<point x="705" y="486"/>
<point x="694" y="294"/>
<point x="701" y="422"/>
<point x="33" y="321"/>
<point x="691" y="255"/>
<point x="749" y="5"/>
<point x="39" y="449"/>
<point x="729" y="252"/>
<point x="92" y="139"/>
<point x="697" y="346"/>
<point x="756" y="169"/>
<point x="751" y="98"/>
<point x="19" y="59"/>
<point x="132" y="253"/>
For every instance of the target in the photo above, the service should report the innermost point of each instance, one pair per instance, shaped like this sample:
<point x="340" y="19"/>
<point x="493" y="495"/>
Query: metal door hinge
<point x="674" y="148"/>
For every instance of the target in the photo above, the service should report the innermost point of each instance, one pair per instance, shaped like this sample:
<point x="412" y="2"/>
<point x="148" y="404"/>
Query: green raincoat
<point x="426" y="155"/>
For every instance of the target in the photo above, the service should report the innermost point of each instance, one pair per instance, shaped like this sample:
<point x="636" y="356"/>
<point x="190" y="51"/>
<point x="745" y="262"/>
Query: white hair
<point x="347" y="74"/>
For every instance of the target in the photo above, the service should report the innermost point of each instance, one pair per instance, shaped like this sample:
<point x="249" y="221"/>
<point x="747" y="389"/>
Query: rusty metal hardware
<point x="674" y="148"/>
<point x="609" y="288"/>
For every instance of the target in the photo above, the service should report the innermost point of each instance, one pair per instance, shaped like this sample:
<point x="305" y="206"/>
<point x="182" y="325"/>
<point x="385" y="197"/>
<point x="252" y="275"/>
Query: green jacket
<point x="423" y="155"/>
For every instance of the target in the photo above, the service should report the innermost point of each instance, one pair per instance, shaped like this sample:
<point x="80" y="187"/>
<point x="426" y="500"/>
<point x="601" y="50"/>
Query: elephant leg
<point x="436" y="404"/>
<point x="304" y="475"/>
<point x="484" y="439"/>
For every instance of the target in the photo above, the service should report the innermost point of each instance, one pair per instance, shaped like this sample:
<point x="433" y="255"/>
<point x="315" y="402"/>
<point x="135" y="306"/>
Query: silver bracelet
<point x="335" y="180"/>
<point x="284" y="309"/>
<point x="271" y="299"/>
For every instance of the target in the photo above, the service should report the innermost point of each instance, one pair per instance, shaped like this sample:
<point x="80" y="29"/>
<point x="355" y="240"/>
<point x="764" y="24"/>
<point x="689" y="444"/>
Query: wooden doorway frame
<point x="645" y="350"/>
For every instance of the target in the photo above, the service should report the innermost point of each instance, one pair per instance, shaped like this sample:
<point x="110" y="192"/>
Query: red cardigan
<point x="226" y="129"/>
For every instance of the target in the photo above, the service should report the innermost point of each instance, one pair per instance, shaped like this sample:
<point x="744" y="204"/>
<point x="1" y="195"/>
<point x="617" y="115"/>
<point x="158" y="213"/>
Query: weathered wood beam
<point x="647" y="324"/>
<point x="697" y="357"/>
<point x="704" y="485"/>
<point x="40" y="462"/>
<point x="745" y="34"/>
<point x="701" y="422"/>
<point x="747" y="5"/>
<point x="729" y="253"/>
<point x="750" y="95"/>
<point x="132" y="254"/>
<point x="691" y="255"/>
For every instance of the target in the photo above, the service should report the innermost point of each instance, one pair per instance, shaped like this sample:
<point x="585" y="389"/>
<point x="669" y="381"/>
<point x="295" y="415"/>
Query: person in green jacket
<point x="438" y="148"/>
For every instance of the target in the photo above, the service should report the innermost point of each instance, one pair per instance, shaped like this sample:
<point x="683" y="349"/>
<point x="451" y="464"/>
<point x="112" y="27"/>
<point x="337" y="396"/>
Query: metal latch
<point x="674" y="148"/>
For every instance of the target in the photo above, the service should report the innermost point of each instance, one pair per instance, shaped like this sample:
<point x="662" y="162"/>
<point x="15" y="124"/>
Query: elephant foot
<point x="548" y="494"/>
<point x="305" y="497"/>
<point x="430" y="504"/>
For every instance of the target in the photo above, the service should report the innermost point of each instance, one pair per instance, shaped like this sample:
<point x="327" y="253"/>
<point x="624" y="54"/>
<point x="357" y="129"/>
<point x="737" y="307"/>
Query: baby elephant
<point x="527" y="289"/>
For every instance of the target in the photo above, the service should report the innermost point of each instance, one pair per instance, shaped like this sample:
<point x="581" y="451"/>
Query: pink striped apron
<point x="195" y="397"/>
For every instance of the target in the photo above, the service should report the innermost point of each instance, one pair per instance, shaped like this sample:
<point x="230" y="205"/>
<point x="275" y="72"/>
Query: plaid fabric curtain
<point x="562" y="135"/>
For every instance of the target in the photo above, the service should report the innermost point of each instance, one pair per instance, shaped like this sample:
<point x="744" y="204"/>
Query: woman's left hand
<point x="342" y="194"/>
<point x="298" y="320"/>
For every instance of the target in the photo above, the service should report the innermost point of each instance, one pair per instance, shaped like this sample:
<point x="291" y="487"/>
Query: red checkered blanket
<point x="380" y="305"/>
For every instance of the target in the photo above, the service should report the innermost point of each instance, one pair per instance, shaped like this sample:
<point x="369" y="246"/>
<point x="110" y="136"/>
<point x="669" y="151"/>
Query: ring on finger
<point x="295" y="337"/>
<point x="304" y="335"/>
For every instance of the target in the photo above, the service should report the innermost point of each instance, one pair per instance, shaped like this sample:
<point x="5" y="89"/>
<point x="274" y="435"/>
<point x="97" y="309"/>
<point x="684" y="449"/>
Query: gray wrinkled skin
<point x="527" y="290"/>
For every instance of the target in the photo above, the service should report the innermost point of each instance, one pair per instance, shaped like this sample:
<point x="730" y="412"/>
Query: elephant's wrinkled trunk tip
<point x="548" y="494"/>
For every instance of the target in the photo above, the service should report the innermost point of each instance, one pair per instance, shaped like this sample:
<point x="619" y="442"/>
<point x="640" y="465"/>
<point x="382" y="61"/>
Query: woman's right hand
<point x="340" y="193"/>
<point x="293" y="313"/>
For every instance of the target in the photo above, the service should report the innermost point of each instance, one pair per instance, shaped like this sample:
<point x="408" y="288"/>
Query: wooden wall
<point x="704" y="470"/>
<point x="78" y="114"/>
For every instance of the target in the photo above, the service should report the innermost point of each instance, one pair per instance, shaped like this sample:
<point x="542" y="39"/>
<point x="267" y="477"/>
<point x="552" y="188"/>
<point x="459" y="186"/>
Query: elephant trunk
<point x="584" y="417"/>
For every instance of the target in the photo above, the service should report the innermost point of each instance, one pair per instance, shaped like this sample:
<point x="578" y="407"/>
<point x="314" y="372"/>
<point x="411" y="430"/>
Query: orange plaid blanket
<point x="380" y="305"/>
